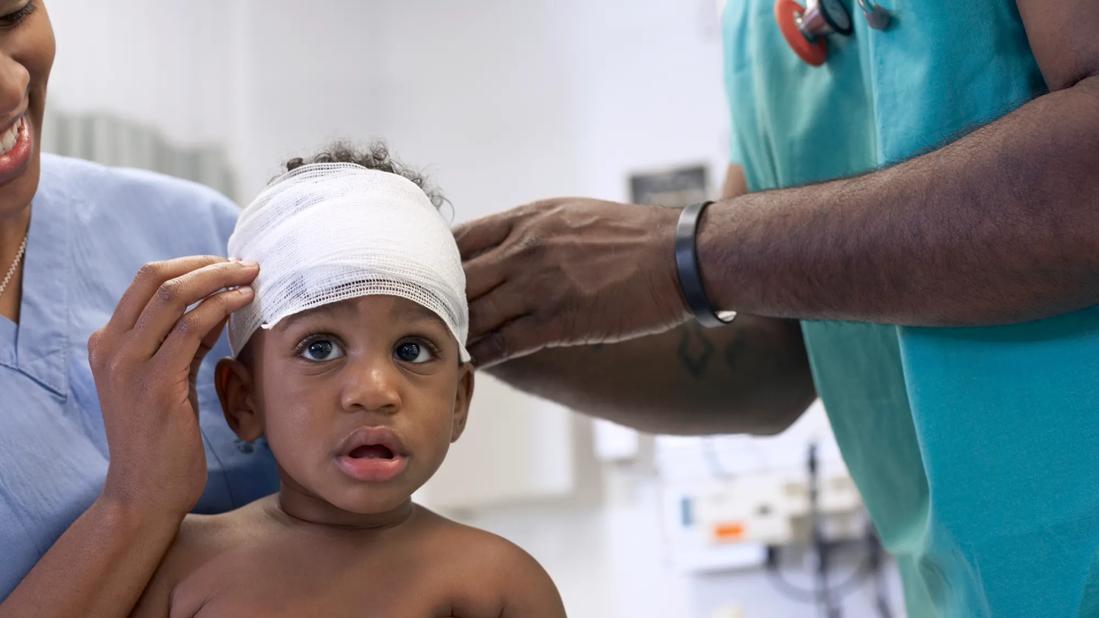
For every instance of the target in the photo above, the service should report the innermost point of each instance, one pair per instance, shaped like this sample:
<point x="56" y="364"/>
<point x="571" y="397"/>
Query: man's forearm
<point x="98" y="567"/>
<point x="750" y="377"/>
<point x="998" y="227"/>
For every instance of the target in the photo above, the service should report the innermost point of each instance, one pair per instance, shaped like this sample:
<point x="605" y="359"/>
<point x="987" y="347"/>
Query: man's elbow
<point x="783" y="413"/>
<point x="761" y="417"/>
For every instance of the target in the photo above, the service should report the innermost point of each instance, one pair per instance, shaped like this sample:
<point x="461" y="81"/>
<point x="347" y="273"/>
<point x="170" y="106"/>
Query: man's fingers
<point x="480" y="235"/>
<point x="174" y="296"/>
<point x="146" y="282"/>
<point x="512" y="340"/>
<point x="492" y="310"/>
<point x="189" y="339"/>
<point x="484" y="274"/>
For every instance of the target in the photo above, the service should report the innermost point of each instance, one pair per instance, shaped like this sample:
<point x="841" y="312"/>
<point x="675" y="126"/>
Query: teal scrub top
<point x="975" y="449"/>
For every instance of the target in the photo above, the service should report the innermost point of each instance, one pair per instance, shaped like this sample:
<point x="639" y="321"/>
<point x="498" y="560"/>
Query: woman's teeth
<point x="9" y="138"/>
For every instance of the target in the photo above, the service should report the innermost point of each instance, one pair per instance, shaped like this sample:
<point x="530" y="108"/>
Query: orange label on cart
<point x="733" y="531"/>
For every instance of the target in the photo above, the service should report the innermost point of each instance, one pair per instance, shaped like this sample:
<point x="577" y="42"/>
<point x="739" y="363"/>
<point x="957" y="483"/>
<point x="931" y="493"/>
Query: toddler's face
<point x="359" y="400"/>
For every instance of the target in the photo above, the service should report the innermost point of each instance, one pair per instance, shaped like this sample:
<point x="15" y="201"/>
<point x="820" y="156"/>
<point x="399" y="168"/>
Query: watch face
<point x="837" y="15"/>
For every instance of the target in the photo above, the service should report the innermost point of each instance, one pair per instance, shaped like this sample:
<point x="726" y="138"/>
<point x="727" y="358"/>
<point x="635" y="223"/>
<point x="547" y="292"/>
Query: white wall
<point x="503" y="102"/>
<point x="166" y="64"/>
<point x="652" y="96"/>
<point x="439" y="81"/>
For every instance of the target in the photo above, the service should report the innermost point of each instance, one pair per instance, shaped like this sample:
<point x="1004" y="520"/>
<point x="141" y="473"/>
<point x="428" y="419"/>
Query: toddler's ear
<point x="233" y="380"/>
<point x="461" y="400"/>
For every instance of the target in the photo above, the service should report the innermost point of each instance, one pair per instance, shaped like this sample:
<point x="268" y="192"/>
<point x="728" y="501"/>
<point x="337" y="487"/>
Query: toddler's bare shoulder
<point x="510" y="582"/>
<point x="198" y="539"/>
<point x="202" y="535"/>
<point x="472" y="548"/>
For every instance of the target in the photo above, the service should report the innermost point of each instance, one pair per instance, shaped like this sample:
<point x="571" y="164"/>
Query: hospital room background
<point x="502" y="103"/>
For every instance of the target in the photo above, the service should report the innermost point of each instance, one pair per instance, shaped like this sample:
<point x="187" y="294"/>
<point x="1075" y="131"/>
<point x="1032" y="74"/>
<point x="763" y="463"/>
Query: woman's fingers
<point x="146" y="282"/>
<point x="192" y="336"/>
<point x="208" y="342"/>
<point x="150" y="408"/>
<point x="170" y="300"/>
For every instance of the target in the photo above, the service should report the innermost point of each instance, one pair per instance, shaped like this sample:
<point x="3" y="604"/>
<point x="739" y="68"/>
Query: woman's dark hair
<point x="375" y="157"/>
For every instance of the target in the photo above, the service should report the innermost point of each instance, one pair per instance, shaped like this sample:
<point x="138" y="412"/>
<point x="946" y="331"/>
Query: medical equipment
<point x="806" y="28"/>
<point x="877" y="17"/>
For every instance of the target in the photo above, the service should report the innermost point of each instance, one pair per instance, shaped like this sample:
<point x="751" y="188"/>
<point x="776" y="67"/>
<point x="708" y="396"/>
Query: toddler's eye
<point x="319" y="350"/>
<point x="413" y="352"/>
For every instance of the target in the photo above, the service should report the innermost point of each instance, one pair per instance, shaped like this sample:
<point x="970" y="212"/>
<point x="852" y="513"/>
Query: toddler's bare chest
<point x="333" y="584"/>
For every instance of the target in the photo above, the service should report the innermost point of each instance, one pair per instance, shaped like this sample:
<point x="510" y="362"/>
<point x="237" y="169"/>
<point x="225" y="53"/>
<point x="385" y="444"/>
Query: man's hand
<point x="752" y="376"/>
<point x="568" y="271"/>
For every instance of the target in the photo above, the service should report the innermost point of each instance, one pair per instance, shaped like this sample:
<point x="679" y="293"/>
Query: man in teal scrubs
<point x="915" y="225"/>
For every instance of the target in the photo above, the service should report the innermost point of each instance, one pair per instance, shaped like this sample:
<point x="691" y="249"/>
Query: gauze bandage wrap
<point x="328" y="232"/>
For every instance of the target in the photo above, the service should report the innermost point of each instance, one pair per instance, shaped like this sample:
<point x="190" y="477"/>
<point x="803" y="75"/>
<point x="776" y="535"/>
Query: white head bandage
<point x="328" y="232"/>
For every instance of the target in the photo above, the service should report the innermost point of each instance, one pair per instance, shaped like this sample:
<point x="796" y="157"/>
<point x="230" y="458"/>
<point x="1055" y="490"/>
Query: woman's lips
<point x="16" y="147"/>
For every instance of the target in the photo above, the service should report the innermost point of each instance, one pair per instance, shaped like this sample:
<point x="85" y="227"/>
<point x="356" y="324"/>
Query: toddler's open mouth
<point x="371" y="451"/>
<point x="372" y="454"/>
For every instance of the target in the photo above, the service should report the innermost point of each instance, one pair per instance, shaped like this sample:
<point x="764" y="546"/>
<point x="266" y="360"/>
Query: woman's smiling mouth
<point x="16" y="147"/>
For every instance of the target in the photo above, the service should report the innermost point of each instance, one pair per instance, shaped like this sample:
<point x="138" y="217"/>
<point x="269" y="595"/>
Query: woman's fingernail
<point x="249" y="264"/>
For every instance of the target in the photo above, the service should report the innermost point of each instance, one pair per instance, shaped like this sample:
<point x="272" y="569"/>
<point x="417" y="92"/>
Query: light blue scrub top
<point x="91" y="229"/>
<point x="977" y="449"/>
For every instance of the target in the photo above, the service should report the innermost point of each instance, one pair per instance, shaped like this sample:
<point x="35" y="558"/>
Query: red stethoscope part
<point x="788" y="13"/>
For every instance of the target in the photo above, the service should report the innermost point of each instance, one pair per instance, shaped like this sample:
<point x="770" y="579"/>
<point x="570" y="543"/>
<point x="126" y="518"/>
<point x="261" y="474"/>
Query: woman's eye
<point x="13" y="18"/>
<point x="413" y="352"/>
<point x="319" y="350"/>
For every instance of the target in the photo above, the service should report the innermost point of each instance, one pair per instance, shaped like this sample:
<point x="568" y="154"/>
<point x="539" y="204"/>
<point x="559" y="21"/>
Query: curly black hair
<point x="375" y="157"/>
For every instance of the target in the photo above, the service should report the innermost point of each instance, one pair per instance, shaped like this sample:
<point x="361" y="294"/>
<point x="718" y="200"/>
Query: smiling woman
<point x="26" y="56"/>
<point x="72" y="235"/>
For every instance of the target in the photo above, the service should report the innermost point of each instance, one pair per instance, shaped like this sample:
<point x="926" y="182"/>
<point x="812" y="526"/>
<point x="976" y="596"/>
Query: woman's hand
<point x="145" y="362"/>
